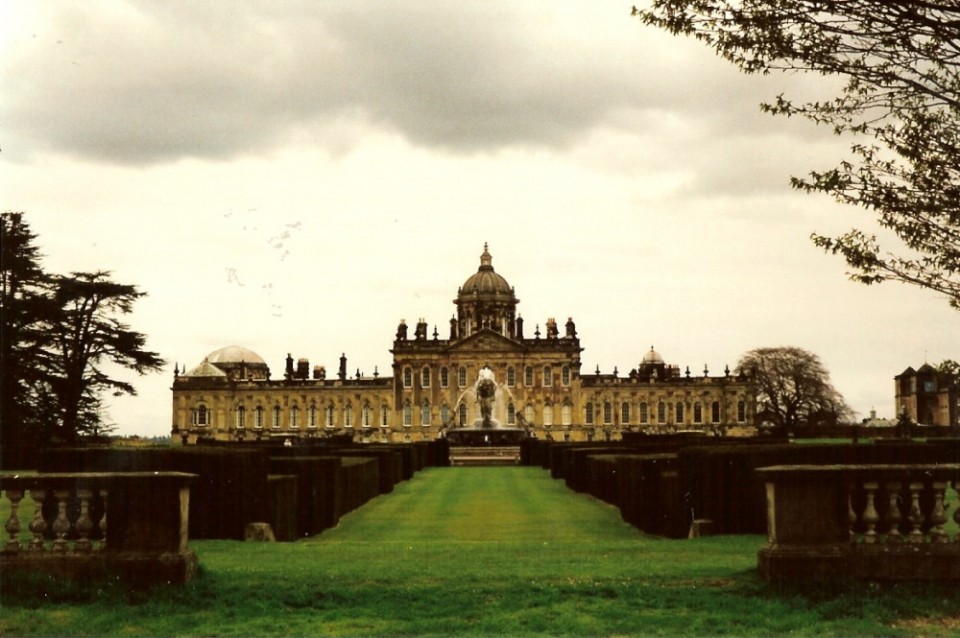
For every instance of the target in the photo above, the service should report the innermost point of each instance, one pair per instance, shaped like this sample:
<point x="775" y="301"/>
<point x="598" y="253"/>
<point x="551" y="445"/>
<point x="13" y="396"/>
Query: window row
<point x="529" y="377"/>
<point x="203" y="416"/>
<point x="672" y="413"/>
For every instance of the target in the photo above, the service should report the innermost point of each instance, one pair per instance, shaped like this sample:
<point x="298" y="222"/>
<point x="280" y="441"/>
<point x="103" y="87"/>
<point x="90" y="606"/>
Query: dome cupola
<point x="486" y="300"/>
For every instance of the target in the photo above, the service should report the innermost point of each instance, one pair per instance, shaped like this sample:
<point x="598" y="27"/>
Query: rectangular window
<point x="444" y="377"/>
<point x="607" y="413"/>
<point x="661" y="412"/>
<point x="589" y="414"/>
<point x="528" y="376"/>
<point x="511" y="377"/>
<point x="715" y="412"/>
<point x="644" y="415"/>
<point x="565" y="375"/>
<point x="625" y="413"/>
<point x="462" y="377"/>
<point x="384" y="416"/>
<point x="547" y="376"/>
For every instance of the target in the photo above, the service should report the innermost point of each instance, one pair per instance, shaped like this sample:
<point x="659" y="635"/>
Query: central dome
<point x="485" y="281"/>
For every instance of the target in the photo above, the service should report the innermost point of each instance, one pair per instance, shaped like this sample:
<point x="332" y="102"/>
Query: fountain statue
<point x="488" y="399"/>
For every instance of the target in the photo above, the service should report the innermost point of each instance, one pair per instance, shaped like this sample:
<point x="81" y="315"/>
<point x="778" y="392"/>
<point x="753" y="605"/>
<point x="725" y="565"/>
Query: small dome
<point x="234" y="354"/>
<point x="485" y="281"/>
<point x="652" y="358"/>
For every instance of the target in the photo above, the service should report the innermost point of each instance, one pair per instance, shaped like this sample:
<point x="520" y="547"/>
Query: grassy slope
<point x="484" y="551"/>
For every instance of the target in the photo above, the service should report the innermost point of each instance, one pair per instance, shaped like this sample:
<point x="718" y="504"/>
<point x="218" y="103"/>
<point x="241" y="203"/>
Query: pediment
<point x="486" y="340"/>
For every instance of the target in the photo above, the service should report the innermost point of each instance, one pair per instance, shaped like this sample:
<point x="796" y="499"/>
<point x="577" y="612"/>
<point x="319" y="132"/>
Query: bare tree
<point x="793" y="385"/>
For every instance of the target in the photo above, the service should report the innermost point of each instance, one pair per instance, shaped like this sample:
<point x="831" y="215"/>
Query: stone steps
<point x="484" y="456"/>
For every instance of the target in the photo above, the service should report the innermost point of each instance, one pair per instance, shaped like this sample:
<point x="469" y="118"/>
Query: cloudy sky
<point x="299" y="176"/>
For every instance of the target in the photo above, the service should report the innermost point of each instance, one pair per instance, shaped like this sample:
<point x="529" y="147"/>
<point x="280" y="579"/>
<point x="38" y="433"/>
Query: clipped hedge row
<point x="650" y="495"/>
<point x="359" y="481"/>
<point x="230" y="492"/>
<point x="724" y="487"/>
<point x="283" y="506"/>
<point x="319" y="496"/>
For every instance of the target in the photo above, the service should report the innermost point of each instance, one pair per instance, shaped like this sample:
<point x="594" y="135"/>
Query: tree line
<point x="58" y="336"/>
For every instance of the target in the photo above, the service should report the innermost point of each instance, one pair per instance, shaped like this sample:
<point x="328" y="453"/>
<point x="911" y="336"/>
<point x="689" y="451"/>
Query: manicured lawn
<point x="485" y="551"/>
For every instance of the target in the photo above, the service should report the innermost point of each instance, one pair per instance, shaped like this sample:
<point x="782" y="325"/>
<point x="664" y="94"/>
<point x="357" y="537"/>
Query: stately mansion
<point x="232" y="395"/>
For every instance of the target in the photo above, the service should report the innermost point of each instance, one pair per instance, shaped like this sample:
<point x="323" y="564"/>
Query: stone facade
<point x="928" y="396"/>
<point x="230" y="395"/>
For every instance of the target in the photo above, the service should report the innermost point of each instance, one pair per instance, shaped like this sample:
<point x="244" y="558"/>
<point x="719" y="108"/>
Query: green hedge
<point x="722" y="484"/>
<point x="231" y="490"/>
<point x="650" y="495"/>
<point x="319" y="493"/>
<point x="283" y="506"/>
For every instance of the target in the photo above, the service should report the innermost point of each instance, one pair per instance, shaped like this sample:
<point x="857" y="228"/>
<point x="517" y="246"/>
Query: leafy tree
<point x="899" y="60"/>
<point x="793" y="385"/>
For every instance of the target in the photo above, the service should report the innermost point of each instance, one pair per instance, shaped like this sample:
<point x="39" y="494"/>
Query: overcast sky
<point x="299" y="176"/>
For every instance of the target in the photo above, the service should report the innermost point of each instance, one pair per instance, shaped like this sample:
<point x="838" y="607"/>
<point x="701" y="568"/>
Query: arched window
<point x="511" y="376"/>
<point x="566" y="414"/>
<point x="462" y="414"/>
<point x="565" y="375"/>
<point x="679" y="414"/>
<point x="312" y="416"/>
<point x="644" y="413"/>
<point x="462" y="377"/>
<point x="365" y="415"/>
<point x="511" y="414"/>
<point x="407" y="377"/>
<point x="241" y="416"/>
<point x="444" y="377"/>
<point x="407" y="414"/>
<point x="425" y="377"/>
<point x="715" y="412"/>
<point x="661" y="412"/>
<point x="548" y="413"/>
<point x="625" y="413"/>
<point x="294" y="416"/>
<point x="444" y="414"/>
<point x="201" y="416"/>
<point x="348" y="416"/>
<point x="425" y="414"/>
<point x="607" y="413"/>
<point x="741" y="411"/>
<point x="258" y="417"/>
<point x="547" y="376"/>
<point x="697" y="412"/>
<point x="275" y="421"/>
<point x="331" y="415"/>
<point x="384" y="416"/>
<point x="589" y="414"/>
<point x="528" y="413"/>
<point x="528" y="376"/>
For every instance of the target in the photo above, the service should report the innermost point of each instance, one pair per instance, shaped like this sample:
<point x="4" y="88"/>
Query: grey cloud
<point x="157" y="82"/>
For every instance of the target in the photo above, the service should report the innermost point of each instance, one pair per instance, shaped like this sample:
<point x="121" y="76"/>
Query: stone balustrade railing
<point x="131" y="525"/>
<point x="875" y="522"/>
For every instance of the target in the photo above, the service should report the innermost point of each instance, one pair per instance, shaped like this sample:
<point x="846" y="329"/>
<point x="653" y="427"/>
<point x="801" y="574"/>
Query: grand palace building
<point x="232" y="395"/>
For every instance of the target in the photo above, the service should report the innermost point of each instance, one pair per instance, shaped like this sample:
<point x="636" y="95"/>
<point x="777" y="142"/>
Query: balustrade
<point x="887" y="522"/>
<point x="66" y="530"/>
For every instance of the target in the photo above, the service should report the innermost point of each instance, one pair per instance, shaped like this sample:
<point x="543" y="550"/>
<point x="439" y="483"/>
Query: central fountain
<point x="489" y="400"/>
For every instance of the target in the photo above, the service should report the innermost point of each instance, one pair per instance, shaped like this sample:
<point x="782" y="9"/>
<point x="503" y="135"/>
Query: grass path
<point x="487" y="551"/>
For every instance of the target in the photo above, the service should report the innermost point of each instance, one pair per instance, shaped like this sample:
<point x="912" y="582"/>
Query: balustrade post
<point x="103" y="521"/>
<point x="851" y="514"/>
<point x="61" y="525"/>
<point x="38" y="526"/>
<point x="956" y="512"/>
<point x="870" y="516"/>
<point x="893" y="511"/>
<point x="938" y="515"/>
<point x="13" y="523"/>
<point x="84" y="524"/>
<point x="916" y="515"/>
